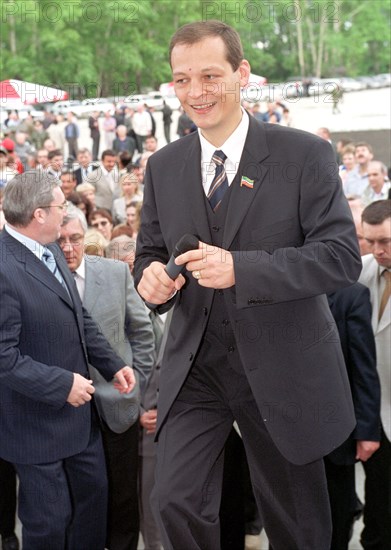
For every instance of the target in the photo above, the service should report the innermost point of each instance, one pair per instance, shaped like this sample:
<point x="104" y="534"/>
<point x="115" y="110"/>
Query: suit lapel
<point x="244" y="192"/>
<point x="35" y="268"/>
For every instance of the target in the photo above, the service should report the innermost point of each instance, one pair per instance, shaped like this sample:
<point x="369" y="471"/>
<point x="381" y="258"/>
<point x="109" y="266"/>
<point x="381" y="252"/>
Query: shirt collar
<point x="81" y="270"/>
<point x="232" y="147"/>
<point x="34" y="246"/>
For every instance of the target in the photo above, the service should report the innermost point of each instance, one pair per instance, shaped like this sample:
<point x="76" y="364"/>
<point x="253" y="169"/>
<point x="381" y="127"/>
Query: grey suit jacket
<point x="113" y="303"/>
<point x="104" y="194"/>
<point x="293" y="240"/>
<point x="382" y="332"/>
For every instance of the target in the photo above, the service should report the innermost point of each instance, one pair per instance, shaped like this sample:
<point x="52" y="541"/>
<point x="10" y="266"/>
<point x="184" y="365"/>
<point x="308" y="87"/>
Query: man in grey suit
<point x="107" y="292"/>
<point x="252" y="338"/>
<point x="376" y="275"/>
<point x="105" y="179"/>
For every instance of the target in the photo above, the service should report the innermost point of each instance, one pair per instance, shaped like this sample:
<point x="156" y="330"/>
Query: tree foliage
<point x="119" y="47"/>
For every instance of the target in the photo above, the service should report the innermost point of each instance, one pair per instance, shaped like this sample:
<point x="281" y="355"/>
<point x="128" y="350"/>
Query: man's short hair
<point x="54" y="153"/>
<point x="108" y="153"/>
<point x="83" y="151"/>
<point x="74" y="213"/>
<point x="192" y="33"/>
<point x="377" y="212"/>
<point x="364" y="144"/>
<point x="25" y="193"/>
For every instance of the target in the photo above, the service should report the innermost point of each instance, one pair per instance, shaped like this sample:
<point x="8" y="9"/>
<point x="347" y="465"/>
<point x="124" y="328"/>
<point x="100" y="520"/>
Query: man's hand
<point x="213" y="267"/>
<point x="156" y="287"/>
<point x="124" y="380"/>
<point x="81" y="391"/>
<point x="365" y="449"/>
<point x="148" y="421"/>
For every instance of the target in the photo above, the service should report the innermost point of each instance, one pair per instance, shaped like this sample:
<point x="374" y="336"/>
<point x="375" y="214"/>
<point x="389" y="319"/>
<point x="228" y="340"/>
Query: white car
<point x="83" y="108"/>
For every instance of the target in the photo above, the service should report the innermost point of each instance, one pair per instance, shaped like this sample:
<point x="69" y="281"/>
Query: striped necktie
<point x="219" y="184"/>
<point x="50" y="262"/>
<point x="386" y="292"/>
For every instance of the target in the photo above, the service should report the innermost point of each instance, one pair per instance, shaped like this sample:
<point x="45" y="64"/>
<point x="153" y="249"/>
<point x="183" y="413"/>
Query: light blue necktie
<point x="50" y="262"/>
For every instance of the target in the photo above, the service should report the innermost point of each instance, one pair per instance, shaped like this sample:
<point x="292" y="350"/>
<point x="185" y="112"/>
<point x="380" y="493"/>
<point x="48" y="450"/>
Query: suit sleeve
<point x="327" y="257"/>
<point x="100" y="354"/>
<point x="364" y="379"/>
<point x="139" y="332"/>
<point x="150" y="245"/>
<point x="20" y="372"/>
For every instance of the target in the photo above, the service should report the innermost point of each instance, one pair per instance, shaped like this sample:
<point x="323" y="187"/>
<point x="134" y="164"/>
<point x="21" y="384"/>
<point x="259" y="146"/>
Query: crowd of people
<point x="98" y="202"/>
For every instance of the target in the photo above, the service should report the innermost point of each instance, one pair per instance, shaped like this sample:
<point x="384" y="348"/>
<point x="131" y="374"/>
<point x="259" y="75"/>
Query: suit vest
<point x="219" y="344"/>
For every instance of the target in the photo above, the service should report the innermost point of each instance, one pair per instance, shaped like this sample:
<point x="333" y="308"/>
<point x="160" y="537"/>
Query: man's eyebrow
<point x="204" y="70"/>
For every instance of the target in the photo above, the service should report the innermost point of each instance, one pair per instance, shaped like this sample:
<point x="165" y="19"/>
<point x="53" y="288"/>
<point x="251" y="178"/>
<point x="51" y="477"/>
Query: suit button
<point x="231" y="349"/>
<point x="215" y="228"/>
<point x="205" y="310"/>
<point x="191" y="356"/>
<point x="225" y="322"/>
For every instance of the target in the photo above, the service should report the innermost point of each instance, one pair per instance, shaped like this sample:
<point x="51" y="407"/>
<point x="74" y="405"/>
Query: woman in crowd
<point x="102" y="221"/>
<point x="130" y="192"/>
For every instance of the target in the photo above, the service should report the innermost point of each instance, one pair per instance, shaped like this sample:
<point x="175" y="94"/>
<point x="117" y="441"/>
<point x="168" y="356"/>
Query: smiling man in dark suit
<point x="252" y="338"/>
<point x="48" y="428"/>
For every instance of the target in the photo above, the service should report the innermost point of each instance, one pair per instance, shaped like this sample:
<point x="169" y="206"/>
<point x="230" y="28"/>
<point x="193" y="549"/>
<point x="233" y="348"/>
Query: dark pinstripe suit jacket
<point x="45" y="336"/>
<point x="292" y="241"/>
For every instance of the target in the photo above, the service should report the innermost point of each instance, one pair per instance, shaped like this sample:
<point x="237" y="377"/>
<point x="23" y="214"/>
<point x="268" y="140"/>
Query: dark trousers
<point x="376" y="534"/>
<point x="63" y="504"/>
<point x="95" y="147"/>
<point x="7" y="498"/>
<point x="123" y="524"/>
<point x="73" y="148"/>
<point x="167" y="131"/>
<point x="292" y="500"/>
<point x="232" y="507"/>
<point x="343" y="502"/>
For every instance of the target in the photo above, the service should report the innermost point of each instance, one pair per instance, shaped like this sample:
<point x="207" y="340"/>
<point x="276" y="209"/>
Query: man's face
<point x="54" y="215"/>
<point x="363" y="154"/>
<point x="57" y="162"/>
<point x="42" y="157"/>
<point x="109" y="162"/>
<point x="72" y="243"/>
<point x="150" y="144"/>
<point x="375" y="176"/>
<point x="378" y="238"/>
<point x="208" y="87"/>
<point x="68" y="184"/>
<point x="84" y="159"/>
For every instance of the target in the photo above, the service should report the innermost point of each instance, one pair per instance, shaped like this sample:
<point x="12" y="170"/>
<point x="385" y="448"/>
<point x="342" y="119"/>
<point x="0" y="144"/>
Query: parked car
<point x="351" y="84"/>
<point x="83" y="108"/>
<point x="321" y="86"/>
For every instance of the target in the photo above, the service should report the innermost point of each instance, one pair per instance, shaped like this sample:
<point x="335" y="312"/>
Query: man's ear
<point x="244" y="70"/>
<point x="39" y="215"/>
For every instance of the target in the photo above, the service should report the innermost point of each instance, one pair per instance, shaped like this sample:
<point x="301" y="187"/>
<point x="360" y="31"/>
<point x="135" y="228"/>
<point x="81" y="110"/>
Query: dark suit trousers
<point x="377" y="510"/>
<point x="123" y="522"/>
<point x="343" y="501"/>
<point x="7" y="498"/>
<point x="232" y="507"/>
<point x="95" y="146"/>
<point x="63" y="504"/>
<point x="292" y="500"/>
